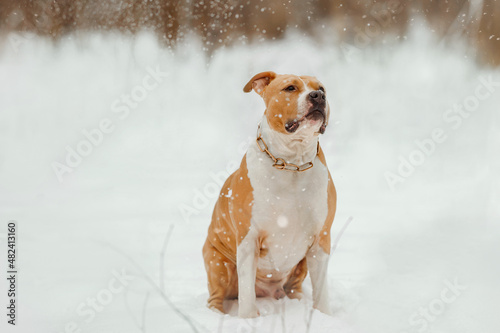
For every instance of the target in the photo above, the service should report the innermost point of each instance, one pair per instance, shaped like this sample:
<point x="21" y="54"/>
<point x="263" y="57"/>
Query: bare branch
<point x="309" y="321"/>
<point x="282" y="310"/>
<point x="221" y="323"/>
<point x="162" y="257"/>
<point x="167" y="300"/>
<point x="129" y="310"/>
<point x="144" y="307"/>
<point x="341" y="232"/>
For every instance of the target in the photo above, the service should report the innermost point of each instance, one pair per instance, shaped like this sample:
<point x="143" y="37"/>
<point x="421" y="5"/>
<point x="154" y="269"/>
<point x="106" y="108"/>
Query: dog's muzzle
<point x="316" y="112"/>
<point x="318" y="108"/>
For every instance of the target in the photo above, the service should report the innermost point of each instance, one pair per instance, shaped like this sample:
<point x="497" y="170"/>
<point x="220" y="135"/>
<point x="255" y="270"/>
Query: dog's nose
<point x="317" y="96"/>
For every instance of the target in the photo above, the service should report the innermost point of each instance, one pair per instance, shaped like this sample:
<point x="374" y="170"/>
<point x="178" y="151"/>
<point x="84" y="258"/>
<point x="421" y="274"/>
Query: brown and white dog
<point x="272" y="221"/>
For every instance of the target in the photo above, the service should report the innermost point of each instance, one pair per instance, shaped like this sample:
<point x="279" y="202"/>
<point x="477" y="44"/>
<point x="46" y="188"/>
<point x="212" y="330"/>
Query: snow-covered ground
<point x="422" y="250"/>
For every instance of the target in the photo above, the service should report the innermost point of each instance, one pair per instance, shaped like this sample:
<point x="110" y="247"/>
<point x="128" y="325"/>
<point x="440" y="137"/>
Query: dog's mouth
<point x="314" y="115"/>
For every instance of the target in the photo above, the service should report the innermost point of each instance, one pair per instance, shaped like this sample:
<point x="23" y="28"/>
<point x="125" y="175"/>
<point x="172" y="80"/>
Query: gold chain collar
<point x="280" y="163"/>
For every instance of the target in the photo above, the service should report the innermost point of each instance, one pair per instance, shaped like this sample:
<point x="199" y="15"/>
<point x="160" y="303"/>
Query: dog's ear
<point x="259" y="82"/>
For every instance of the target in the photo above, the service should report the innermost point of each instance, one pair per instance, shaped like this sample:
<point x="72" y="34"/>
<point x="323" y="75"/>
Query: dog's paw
<point x="251" y="312"/>
<point x="294" y="294"/>
<point x="323" y="308"/>
<point x="216" y="310"/>
<point x="216" y="307"/>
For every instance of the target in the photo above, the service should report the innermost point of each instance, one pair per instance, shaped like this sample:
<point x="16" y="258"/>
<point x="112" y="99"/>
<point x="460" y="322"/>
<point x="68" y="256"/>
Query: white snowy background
<point x="122" y="206"/>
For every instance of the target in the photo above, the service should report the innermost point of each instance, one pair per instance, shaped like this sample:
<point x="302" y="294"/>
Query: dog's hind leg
<point x="222" y="277"/>
<point x="293" y="286"/>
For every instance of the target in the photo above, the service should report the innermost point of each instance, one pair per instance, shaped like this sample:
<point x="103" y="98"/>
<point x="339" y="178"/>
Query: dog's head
<point x="294" y="104"/>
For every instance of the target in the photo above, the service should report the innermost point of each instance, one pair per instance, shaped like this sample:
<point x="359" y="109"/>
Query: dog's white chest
<point x="289" y="209"/>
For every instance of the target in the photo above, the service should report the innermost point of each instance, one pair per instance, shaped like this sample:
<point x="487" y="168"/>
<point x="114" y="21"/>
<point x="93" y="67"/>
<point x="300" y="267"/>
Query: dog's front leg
<point x="317" y="263"/>
<point x="246" y="263"/>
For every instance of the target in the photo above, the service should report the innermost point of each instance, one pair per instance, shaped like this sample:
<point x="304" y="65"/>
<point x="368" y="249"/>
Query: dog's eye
<point x="291" y="88"/>
<point x="322" y="89"/>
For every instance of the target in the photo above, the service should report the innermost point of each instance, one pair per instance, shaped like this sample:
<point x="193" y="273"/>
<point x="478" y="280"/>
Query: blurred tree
<point x="489" y="33"/>
<point x="221" y="23"/>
